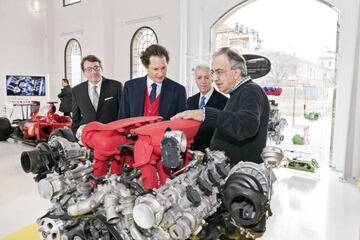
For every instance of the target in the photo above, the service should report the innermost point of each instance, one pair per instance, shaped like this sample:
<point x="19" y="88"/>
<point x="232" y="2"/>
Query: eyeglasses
<point x="90" y="69"/>
<point x="215" y="74"/>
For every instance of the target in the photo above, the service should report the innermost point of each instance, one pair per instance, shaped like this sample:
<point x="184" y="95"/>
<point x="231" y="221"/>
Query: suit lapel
<point x="213" y="99"/>
<point x="165" y="98"/>
<point x="104" y="89"/>
<point x="139" y="100"/>
<point x="195" y="102"/>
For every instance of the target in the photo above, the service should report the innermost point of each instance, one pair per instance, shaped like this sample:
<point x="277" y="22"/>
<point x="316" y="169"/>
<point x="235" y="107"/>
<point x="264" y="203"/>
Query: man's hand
<point x="190" y="114"/>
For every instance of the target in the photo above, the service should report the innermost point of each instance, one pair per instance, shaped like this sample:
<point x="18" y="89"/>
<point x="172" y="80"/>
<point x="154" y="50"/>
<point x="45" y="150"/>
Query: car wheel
<point x="5" y="129"/>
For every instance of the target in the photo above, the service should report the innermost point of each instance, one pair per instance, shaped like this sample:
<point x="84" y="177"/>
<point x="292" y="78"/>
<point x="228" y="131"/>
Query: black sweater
<point x="241" y="128"/>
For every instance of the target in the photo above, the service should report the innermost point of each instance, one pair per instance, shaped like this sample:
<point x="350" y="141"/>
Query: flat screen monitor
<point x="24" y="85"/>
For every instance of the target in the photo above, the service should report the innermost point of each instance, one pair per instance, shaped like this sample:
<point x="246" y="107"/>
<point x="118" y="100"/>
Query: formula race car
<point x="37" y="128"/>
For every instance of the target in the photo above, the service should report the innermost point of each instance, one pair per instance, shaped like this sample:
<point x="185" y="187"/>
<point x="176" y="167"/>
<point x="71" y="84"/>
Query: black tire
<point x="5" y="129"/>
<point x="64" y="133"/>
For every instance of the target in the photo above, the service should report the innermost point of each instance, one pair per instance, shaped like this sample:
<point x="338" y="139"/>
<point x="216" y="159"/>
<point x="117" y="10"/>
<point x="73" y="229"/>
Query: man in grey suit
<point x="97" y="99"/>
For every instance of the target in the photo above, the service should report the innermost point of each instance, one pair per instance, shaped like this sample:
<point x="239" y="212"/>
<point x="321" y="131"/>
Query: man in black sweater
<point x="241" y="128"/>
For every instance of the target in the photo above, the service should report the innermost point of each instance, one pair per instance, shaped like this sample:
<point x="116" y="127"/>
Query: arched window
<point x="142" y="38"/>
<point x="72" y="62"/>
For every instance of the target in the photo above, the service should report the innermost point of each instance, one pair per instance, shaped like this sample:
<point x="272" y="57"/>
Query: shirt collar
<point x="241" y="82"/>
<point x="208" y="94"/>
<point x="149" y="81"/>
<point x="98" y="84"/>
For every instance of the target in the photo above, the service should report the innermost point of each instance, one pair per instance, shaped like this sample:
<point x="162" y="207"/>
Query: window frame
<point x="68" y="4"/>
<point x="132" y="44"/>
<point x="65" y="65"/>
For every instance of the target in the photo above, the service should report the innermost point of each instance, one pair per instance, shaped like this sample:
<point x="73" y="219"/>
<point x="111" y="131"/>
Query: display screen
<point x="19" y="85"/>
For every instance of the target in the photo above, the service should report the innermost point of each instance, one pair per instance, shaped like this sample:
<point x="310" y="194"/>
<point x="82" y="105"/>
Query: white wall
<point x="347" y="124"/>
<point x="162" y="16"/>
<point x="204" y="13"/>
<point x="84" y="22"/>
<point x="105" y="28"/>
<point x="35" y="42"/>
<point x="22" y="44"/>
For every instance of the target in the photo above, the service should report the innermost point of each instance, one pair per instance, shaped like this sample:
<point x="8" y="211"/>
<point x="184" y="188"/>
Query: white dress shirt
<point x="148" y="84"/>
<point x="98" y="89"/>
<point x="207" y="96"/>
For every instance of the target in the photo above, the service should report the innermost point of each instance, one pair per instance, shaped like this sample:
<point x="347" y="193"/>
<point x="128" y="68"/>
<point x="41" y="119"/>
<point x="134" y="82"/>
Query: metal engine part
<point x="260" y="172"/>
<point x="172" y="145"/>
<point x="58" y="155"/>
<point x="57" y="185"/>
<point x="116" y="207"/>
<point x="179" y="208"/>
<point x="247" y="194"/>
<point x="272" y="156"/>
<point x="67" y="150"/>
<point x="51" y="229"/>
<point x="277" y="124"/>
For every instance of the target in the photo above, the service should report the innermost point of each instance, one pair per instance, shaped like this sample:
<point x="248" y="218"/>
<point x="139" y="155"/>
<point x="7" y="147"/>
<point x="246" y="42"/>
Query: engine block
<point x="119" y="206"/>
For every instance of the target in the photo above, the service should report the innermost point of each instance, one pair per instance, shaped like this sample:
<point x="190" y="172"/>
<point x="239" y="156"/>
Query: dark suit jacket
<point x="172" y="98"/>
<point x="65" y="98"/>
<point x="217" y="100"/>
<point x="108" y="106"/>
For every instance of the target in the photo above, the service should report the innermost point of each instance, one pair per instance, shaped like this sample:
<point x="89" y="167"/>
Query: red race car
<point x="38" y="127"/>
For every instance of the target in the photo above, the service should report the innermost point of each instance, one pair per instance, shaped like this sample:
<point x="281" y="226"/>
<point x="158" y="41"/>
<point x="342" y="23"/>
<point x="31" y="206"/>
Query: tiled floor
<point x="305" y="206"/>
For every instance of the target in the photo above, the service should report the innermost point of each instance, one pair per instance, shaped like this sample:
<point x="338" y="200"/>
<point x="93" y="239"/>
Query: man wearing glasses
<point x="97" y="99"/>
<point x="241" y="128"/>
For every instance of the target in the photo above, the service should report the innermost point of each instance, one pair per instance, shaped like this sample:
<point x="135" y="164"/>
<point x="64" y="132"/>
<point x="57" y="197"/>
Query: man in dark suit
<point x="65" y="98"/>
<point x="96" y="99"/>
<point x="153" y="94"/>
<point x="207" y="97"/>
